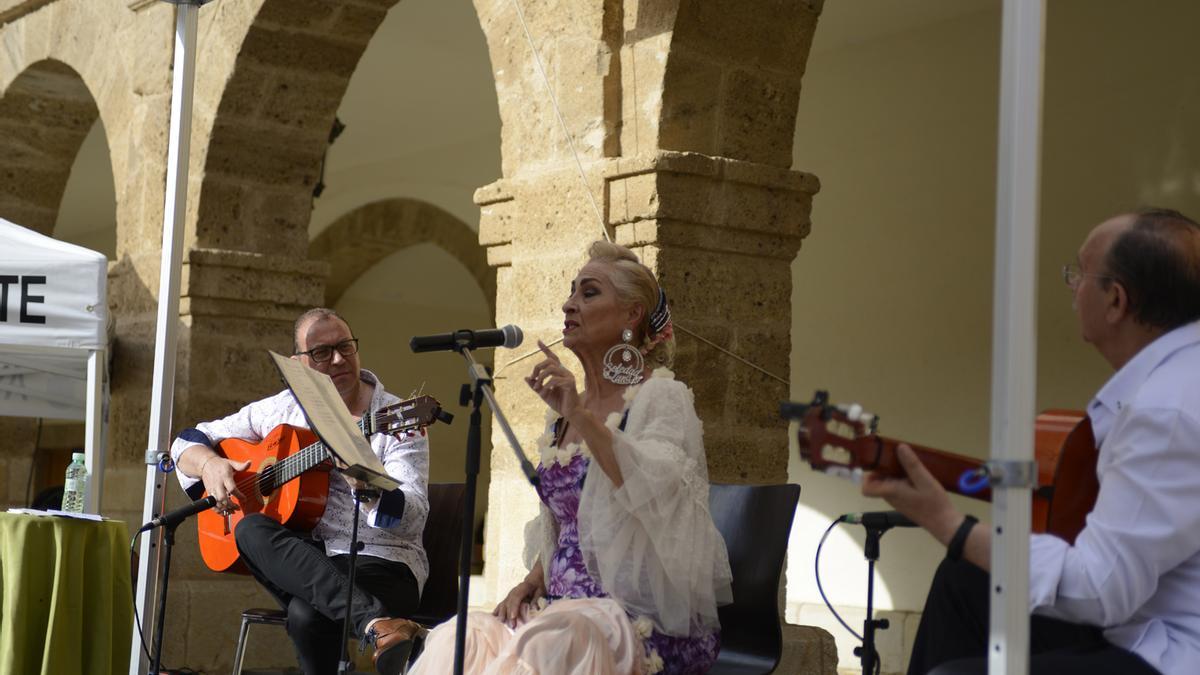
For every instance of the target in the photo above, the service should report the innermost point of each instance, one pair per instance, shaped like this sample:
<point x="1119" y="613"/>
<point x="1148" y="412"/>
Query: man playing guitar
<point x="307" y="575"/>
<point x="1125" y="596"/>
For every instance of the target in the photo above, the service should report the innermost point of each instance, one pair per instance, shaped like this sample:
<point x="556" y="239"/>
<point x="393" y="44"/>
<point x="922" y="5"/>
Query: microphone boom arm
<point x="482" y="380"/>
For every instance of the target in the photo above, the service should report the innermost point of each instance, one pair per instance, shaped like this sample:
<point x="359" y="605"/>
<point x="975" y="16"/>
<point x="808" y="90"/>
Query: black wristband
<point x="954" y="549"/>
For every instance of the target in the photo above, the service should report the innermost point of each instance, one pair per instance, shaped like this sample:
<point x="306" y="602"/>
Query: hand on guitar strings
<point x="917" y="495"/>
<point x="220" y="479"/>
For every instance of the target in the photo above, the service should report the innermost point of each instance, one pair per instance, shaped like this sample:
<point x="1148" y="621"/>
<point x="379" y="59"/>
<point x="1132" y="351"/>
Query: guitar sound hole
<point x="266" y="481"/>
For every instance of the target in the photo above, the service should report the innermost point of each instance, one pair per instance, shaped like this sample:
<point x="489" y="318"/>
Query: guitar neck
<point x="309" y="457"/>
<point x="946" y="467"/>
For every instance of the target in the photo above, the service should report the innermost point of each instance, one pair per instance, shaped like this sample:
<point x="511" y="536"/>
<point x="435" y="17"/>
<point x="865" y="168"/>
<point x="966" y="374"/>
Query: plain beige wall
<point x="421" y="116"/>
<point x="893" y="289"/>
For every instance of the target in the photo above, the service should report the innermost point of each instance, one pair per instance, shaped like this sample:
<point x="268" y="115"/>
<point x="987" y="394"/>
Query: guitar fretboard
<point x="291" y="467"/>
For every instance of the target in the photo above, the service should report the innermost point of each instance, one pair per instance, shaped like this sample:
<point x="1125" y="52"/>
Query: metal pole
<point x="93" y="444"/>
<point x="1014" y="355"/>
<point x="150" y="562"/>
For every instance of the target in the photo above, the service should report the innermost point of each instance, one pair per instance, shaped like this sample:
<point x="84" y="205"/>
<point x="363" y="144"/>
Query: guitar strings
<point x="288" y="465"/>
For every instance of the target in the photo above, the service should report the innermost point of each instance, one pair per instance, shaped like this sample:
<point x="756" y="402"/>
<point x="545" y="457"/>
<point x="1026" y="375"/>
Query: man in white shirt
<point x="1125" y="597"/>
<point x="308" y="575"/>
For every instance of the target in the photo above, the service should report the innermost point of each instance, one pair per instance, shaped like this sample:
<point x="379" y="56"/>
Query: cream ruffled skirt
<point x="589" y="636"/>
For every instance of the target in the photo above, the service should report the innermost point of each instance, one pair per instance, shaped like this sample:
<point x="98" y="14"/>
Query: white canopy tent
<point x="53" y="337"/>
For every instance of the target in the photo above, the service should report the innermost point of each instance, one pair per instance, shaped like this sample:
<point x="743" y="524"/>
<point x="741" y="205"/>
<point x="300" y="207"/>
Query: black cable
<point x="817" y="570"/>
<point x="133" y="597"/>
<point x="37" y="440"/>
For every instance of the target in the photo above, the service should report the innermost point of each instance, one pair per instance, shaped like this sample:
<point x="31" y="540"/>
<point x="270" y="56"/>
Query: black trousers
<point x="952" y="638"/>
<point x="311" y="587"/>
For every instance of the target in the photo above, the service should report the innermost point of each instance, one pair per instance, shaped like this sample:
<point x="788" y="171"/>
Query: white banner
<point x="52" y="316"/>
<point x="51" y="293"/>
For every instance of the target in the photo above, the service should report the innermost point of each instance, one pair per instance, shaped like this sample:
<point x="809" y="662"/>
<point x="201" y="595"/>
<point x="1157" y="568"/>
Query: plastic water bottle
<point x="75" y="487"/>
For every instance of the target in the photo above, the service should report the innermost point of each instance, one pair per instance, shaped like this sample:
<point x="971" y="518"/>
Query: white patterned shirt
<point x="383" y="535"/>
<point x="1135" y="568"/>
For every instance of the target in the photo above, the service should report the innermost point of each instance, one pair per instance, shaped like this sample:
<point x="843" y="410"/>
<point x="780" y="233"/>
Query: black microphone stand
<point x="473" y="394"/>
<point x="347" y="664"/>
<point x="168" y="544"/>
<point x="866" y="652"/>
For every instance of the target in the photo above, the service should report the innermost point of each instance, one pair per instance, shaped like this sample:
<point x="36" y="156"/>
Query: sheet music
<point x="331" y="421"/>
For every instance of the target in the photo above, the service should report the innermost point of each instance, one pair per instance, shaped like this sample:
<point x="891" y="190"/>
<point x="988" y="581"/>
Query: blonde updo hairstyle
<point x="635" y="284"/>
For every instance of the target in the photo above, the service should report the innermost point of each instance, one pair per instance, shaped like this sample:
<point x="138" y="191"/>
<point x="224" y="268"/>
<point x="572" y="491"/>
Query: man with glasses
<point x="1125" y="597"/>
<point x="308" y="575"/>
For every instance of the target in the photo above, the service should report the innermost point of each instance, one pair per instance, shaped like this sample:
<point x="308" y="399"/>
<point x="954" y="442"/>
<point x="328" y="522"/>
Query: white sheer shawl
<point x="652" y="544"/>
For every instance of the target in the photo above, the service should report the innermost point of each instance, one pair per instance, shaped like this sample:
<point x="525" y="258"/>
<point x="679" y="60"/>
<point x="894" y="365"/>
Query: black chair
<point x="755" y="521"/>
<point x="443" y="532"/>
<point x="439" y="598"/>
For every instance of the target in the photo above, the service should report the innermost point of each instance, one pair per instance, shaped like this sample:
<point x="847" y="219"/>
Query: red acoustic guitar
<point x="841" y="439"/>
<point x="280" y="483"/>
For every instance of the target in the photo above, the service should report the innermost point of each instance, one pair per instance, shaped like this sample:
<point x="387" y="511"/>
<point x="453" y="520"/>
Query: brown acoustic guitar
<point x="288" y="477"/>
<point x="842" y="439"/>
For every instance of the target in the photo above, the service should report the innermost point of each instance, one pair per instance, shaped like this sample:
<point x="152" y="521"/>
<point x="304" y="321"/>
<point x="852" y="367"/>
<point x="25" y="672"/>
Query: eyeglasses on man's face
<point x="1072" y="274"/>
<point x="323" y="353"/>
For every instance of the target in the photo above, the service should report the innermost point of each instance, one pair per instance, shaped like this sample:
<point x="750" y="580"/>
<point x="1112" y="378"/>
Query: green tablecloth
<point x="66" y="605"/>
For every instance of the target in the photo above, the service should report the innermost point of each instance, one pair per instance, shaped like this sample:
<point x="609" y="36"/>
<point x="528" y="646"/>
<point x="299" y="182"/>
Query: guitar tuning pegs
<point x="854" y="413"/>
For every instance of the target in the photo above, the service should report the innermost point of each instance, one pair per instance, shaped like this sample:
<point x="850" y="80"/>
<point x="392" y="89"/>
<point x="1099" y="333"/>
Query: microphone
<point x="510" y="336"/>
<point x="879" y="519"/>
<point x="180" y="514"/>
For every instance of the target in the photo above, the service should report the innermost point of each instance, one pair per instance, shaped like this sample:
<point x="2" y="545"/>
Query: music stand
<point x="330" y="420"/>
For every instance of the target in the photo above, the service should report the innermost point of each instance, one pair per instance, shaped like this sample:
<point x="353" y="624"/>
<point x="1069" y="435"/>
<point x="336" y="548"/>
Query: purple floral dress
<point x="560" y="489"/>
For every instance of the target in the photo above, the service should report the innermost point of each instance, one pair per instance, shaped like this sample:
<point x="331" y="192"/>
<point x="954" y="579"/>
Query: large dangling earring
<point x="623" y="363"/>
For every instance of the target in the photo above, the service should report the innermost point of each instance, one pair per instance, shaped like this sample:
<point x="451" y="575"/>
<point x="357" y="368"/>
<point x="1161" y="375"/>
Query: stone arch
<point x="45" y="114"/>
<point x="719" y="79"/>
<point x="731" y="80"/>
<point x="283" y="73"/>
<point x="361" y="238"/>
<point x="125" y="69"/>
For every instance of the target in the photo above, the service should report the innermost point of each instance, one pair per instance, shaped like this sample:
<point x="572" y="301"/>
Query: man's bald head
<point x="308" y="317"/>
<point x="1155" y="255"/>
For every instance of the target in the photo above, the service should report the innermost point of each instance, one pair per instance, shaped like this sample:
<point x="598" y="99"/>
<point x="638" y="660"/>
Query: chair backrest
<point x="755" y="521"/>
<point x="443" y="533"/>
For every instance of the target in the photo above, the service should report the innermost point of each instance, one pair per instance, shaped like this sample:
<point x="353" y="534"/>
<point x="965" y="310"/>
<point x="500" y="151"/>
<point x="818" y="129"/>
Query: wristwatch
<point x="954" y="549"/>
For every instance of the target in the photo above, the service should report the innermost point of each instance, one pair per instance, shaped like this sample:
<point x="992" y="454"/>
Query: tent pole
<point x="93" y="447"/>
<point x="150" y="560"/>
<point x="1014" y="338"/>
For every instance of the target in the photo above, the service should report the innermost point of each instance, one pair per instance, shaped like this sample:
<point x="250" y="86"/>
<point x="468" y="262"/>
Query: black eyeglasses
<point x="322" y="353"/>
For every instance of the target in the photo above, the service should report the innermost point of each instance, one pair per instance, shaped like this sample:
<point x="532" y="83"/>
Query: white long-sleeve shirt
<point x="382" y="533"/>
<point x="1135" y="568"/>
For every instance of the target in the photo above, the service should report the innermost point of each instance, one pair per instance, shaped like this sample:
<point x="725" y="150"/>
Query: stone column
<point x="682" y="116"/>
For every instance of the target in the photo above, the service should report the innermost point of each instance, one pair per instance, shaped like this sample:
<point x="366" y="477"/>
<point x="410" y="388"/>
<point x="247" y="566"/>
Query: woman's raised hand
<point x="554" y="383"/>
